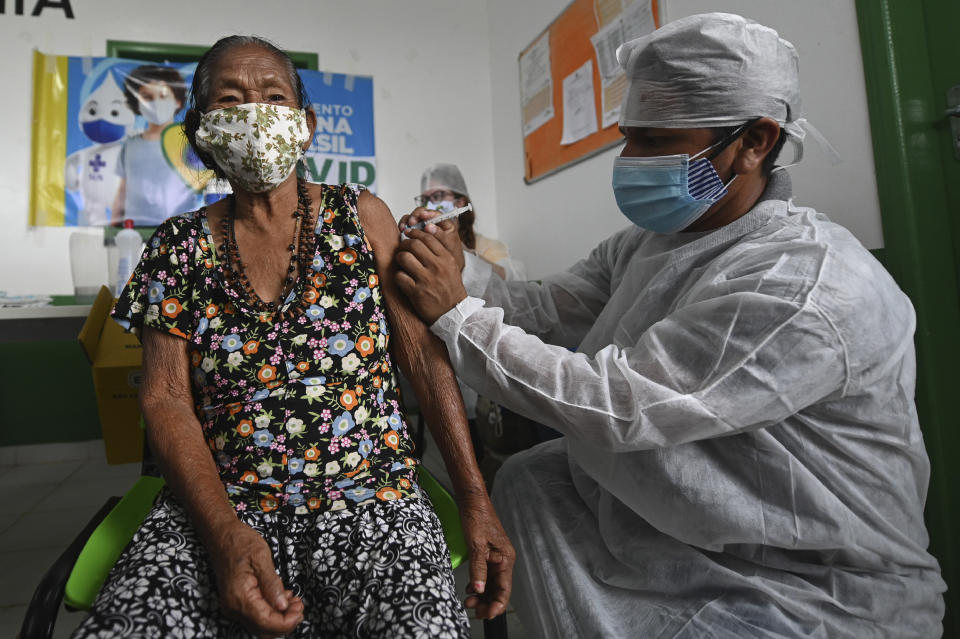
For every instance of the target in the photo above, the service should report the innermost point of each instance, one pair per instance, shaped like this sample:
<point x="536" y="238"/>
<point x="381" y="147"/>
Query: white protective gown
<point x="742" y="454"/>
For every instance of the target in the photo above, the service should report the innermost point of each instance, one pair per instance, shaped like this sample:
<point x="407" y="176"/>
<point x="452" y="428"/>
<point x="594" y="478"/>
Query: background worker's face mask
<point x="444" y="206"/>
<point x="668" y="193"/>
<point x="257" y="145"/>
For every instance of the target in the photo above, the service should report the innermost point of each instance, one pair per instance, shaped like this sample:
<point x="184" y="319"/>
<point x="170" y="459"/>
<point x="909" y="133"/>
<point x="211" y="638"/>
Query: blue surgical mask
<point x="103" y="131"/>
<point x="667" y="193"/>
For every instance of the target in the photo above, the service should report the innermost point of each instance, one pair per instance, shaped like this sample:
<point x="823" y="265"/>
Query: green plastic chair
<point x="80" y="572"/>
<point x="108" y="540"/>
<point x="447" y="513"/>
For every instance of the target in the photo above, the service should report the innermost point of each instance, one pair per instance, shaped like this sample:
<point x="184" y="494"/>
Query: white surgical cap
<point x="443" y="176"/>
<point x="712" y="69"/>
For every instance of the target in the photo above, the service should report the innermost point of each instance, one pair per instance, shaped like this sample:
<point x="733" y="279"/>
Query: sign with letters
<point x="108" y="143"/>
<point x="36" y="7"/>
<point x="343" y="147"/>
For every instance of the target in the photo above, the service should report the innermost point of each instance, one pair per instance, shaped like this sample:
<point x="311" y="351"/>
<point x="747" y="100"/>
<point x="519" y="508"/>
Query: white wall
<point x="446" y="89"/>
<point x="428" y="58"/>
<point x="555" y="221"/>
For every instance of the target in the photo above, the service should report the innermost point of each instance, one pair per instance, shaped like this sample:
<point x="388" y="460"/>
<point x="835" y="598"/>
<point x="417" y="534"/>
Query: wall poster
<point x="108" y="143"/>
<point x="571" y="85"/>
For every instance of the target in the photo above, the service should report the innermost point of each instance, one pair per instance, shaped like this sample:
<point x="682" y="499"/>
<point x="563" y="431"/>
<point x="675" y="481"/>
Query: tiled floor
<point x="52" y="492"/>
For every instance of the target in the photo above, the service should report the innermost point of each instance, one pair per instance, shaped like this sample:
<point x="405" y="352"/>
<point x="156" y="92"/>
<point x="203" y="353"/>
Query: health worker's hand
<point x="446" y="231"/>
<point x="491" y="558"/>
<point x="250" y="590"/>
<point x="428" y="275"/>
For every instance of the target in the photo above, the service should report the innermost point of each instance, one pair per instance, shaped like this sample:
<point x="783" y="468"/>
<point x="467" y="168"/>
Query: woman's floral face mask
<point x="257" y="145"/>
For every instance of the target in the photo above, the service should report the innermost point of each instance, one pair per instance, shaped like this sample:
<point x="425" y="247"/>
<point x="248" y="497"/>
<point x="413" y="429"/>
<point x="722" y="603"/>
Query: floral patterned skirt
<point x="378" y="570"/>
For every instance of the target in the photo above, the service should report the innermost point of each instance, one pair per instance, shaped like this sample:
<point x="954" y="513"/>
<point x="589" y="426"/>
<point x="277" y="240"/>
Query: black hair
<point x="147" y="73"/>
<point x="465" y="225"/>
<point x="727" y="133"/>
<point x="203" y="80"/>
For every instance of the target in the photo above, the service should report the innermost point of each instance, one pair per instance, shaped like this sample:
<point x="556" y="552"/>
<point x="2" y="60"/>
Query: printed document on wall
<point x="613" y="81"/>
<point x="536" y="85"/>
<point x="579" y="107"/>
<point x="607" y="11"/>
<point x="637" y="19"/>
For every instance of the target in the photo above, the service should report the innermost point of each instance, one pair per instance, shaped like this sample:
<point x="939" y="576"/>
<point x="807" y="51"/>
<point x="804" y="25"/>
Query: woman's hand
<point x="250" y="589"/>
<point x="491" y="558"/>
<point x="428" y="275"/>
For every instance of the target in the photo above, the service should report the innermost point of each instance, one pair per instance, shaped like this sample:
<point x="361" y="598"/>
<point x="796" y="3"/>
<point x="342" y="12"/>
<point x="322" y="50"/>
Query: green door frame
<point x="906" y="119"/>
<point x="162" y="52"/>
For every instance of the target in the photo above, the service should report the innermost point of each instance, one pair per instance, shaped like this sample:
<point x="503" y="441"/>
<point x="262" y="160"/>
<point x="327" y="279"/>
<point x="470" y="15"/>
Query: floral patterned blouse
<point x="300" y="414"/>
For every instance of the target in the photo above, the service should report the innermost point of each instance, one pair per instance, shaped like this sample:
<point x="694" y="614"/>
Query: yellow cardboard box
<point x="115" y="359"/>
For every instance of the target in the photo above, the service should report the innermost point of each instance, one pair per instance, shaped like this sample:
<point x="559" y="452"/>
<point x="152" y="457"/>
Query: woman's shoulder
<point x="345" y="192"/>
<point x="178" y="232"/>
<point x="181" y="224"/>
<point x="350" y="209"/>
<point x="342" y="207"/>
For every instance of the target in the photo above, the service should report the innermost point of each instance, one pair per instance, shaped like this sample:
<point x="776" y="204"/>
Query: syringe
<point x="419" y="226"/>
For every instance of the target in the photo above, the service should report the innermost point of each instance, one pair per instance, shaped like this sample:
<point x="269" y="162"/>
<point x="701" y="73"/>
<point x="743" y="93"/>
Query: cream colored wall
<point x="446" y="89"/>
<point x="555" y="221"/>
<point x="428" y="58"/>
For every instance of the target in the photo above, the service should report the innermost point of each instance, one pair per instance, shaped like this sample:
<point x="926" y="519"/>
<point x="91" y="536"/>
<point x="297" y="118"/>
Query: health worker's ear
<point x="754" y="145"/>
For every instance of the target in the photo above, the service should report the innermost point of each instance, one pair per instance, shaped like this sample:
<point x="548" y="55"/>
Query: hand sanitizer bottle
<point x="129" y="247"/>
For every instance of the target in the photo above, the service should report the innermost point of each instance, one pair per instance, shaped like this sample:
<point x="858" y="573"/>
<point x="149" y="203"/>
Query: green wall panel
<point x="910" y="49"/>
<point x="46" y="395"/>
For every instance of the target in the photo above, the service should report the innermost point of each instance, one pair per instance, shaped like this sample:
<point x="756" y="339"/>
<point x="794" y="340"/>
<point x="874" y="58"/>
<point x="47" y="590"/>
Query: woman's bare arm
<point x="249" y="587"/>
<point x="175" y="436"/>
<point x="421" y="355"/>
<point x="423" y="358"/>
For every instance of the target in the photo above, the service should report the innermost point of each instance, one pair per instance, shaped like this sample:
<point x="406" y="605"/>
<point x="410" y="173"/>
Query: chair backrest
<point x="104" y="546"/>
<point x="447" y="512"/>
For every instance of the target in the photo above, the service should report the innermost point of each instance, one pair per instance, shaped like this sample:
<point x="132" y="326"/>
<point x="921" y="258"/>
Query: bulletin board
<point x="561" y="53"/>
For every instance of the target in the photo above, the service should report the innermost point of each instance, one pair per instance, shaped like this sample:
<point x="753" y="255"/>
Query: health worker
<point x="742" y="456"/>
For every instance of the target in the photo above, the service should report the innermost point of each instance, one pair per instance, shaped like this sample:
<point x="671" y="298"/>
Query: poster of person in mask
<point x="108" y="144"/>
<point x="91" y="174"/>
<point x="152" y="185"/>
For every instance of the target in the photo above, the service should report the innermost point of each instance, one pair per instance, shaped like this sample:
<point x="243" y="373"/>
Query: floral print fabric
<point x="300" y="414"/>
<point x="256" y="144"/>
<point x="379" y="571"/>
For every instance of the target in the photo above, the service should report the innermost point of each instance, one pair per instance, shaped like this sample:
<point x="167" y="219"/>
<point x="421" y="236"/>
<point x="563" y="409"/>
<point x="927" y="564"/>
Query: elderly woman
<point x="268" y="321"/>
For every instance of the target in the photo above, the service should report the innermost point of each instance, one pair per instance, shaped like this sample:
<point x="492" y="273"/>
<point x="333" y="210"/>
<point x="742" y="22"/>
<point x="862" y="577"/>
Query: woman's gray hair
<point x="202" y="77"/>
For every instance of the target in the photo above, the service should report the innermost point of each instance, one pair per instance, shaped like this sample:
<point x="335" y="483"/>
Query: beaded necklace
<point x="302" y="247"/>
